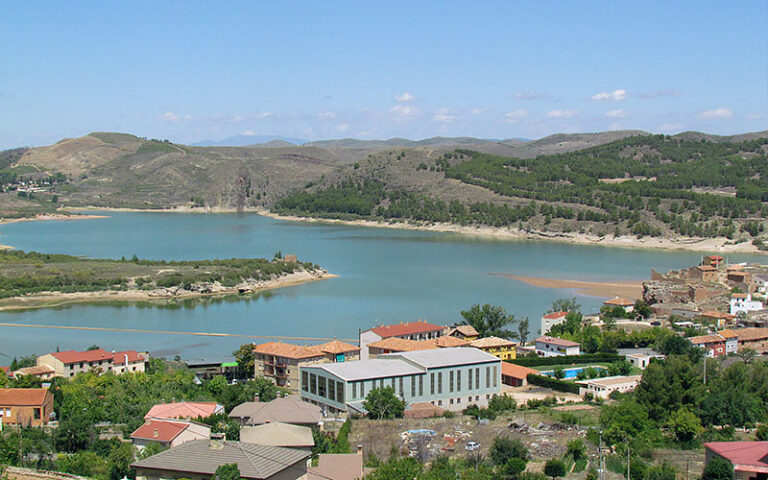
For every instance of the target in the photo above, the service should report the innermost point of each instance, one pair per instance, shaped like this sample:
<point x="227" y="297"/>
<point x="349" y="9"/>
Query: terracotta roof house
<point x="749" y="459"/>
<point x="395" y="345"/>
<point x="43" y="372"/>
<point x="419" y="330"/>
<point x="280" y="361"/>
<point x="625" y="303"/>
<point x="713" y="344"/>
<point x="184" y="410"/>
<point x="516" y="375"/>
<point x="71" y="362"/>
<point x="720" y="319"/>
<point x="423" y="410"/>
<point x="498" y="347"/>
<point x="551" y="319"/>
<point x="199" y="459"/>
<point x="26" y="406"/>
<point x="547" y="346"/>
<point x="339" y="466"/>
<point x="464" y="332"/>
<point x="290" y="409"/>
<point x="169" y="433"/>
<point x="278" y="434"/>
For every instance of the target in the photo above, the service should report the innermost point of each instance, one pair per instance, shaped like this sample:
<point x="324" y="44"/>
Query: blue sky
<point x="190" y="71"/>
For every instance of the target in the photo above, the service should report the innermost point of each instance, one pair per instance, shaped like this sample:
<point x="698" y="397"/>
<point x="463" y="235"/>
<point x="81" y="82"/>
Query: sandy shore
<point x="58" y="299"/>
<point x="54" y="216"/>
<point x="630" y="290"/>
<point x="707" y="245"/>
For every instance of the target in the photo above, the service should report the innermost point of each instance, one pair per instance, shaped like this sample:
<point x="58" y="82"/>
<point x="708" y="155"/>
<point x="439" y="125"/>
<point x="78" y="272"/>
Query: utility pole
<point x="600" y="457"/>
<point x="629" y="470"/>
<point x="705" y="367"/>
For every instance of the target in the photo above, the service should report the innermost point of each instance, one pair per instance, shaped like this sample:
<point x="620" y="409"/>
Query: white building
<point x="603" y="387"/>
<point x="552" y="346"/>
<point x="550" y="320"/>
<point x="742" y="302"/>
<point x="639" y="360"/>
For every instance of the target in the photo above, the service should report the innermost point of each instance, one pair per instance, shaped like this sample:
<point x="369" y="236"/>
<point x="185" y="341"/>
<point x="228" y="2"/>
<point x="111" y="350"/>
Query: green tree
<point x="625" y="420"/>
<point x="513" y="468"/>
<point x="664" y="471"/>
<point x="119" y="461"/>
<point x="642" y="309"/>
<point x="554" y="468"/>
<point x="85" y="463"/>
<point x="576" y="448"/>
<point x="382" y="403"/>
<point x="685" y="425"/>
<point x="717" y="469"/>
<point x="565" y="305"/>
<point x="228" y="471"/>
<point x="244" y="358"/>
<point x="762" y="433"/>
<point x="504" y="448"/>
<point x="523" y="331"/>
<point x="489" y="320"/>
<point x="397" y="469"/>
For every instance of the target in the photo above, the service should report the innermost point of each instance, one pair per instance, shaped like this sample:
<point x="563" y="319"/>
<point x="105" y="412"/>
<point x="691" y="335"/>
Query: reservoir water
<point x="385" y="276"/>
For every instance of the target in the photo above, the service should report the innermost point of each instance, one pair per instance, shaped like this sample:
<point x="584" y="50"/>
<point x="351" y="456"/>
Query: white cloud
<point x="515" y="115"/>
<point x="264" y="115"/>
<point x="532" y="95"/>
<point x="444" y="116"/>
<point x="671" y="127"/>
<point x="249" y="133"/>
<point x="478" y="111"/>
<point x="170" y="117"/>
<point x="668" y="92"/>
<point x="615" y="96"/>
<point x="617" y="113"/>
<point x="716" y="113"/>
<point x="326" y="115"/>
<point x="343" y="127"/>
<point x="562" y="113"/>
<point x="405" y="97"/>
<point x="405" y="110"/>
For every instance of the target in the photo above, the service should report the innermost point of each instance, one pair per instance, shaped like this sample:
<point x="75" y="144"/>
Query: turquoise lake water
<point x="385" y="275"/>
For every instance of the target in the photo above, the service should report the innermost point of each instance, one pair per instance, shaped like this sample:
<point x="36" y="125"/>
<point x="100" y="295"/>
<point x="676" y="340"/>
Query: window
<point x="451" y="401"/>
<point x="37" y="414"/>
<point x="458" y="380"/>
<point x="413" y="386"/>
<point x="458" y="400"/>
<point x="304" y="381"/>
<point x="495" y="376"/>
<point x="421" y="385"/>
<point x="312" y="383"/>
<point x="321" y="387"/>
<point x="450" y="382"/>
<point x="469" y="386"/>
<point x="340" y="392"/>
<point x="354" y="389"/>
<point x="393" y="384"/>
<point x="331" y="389"/>
<point x="440" y="403"/>
<point x="362" y="389"/>
<point x="431" y="383"/>
<point x="477" y="378"/>
<point x="439" y="383"/>
<point x="487" y="377"/>
<point x="401" y="386"/>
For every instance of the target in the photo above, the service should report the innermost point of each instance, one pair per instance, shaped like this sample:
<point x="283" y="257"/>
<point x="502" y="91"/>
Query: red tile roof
<point x="401" y="329"/>
<point x="706" y="339"/>
<point x="706" y="268"/>
<point x="466" y="330"/>
<point x="714" y="257"/>
<point x="491" y="342"/>
<point x="516" y="371"/>
<point x="728" y="334"/>
<point x="742" y="454"/>
<point x="716" y="314"/>
<point x="556" y="315"/>
<point x="160" y="430"/>
<point x="22" y="396"/>
<point x="73" y="356"/>
<point x="739" y="295"/>
<point x="557" y="341"/>
<point x="184" y="410"/>
<point x="335" y="346"/>
<point x="287" y="350"/>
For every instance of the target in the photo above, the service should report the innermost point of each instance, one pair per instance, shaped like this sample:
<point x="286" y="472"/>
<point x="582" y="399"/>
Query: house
<point x="516" y="375"/>
<point x="419" y="330"/>
<point x="291" y="409"/>
<point x="713" y="344"/>
<point x="184" y="410"/>
<point x="199" y="459"/>
<point x="626" y="304"/>
<point x="498" y="347"/>
<point x="738" y="278"/>
<point x="71" y="362"/>
<point x="720" y="319"/>
<point x="704" y="273"/>
<point x="396" y="345"/>
<point x="603" y="387"/>
<point x="639" y="360"/>
<point x="551" y="319"/>
<point x="731" y="340"/>
<point x="749" y="459"/>
<point x="447" y="377"/>
<point x="464" y="332"/>
<point x="278" y="434"/>
<point x="339" y="466"/>
<point x="43" y="372"/>
<point x="423" y="410"/>
<point x="552" y="346"/>
<point x="25" y="406"/>
<point x="280" y="361"/>
<point x="742" y="302"/>
<point x="169" y="433"/>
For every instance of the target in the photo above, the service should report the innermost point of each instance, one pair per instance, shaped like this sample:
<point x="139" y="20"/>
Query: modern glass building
<point x="451" y="378"/>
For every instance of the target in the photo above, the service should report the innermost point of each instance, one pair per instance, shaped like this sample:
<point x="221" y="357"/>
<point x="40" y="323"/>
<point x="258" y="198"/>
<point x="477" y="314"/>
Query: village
<point x="423" y="391"/>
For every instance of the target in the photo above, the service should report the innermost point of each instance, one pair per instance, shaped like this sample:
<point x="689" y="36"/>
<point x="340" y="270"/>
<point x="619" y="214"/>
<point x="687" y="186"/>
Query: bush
<point x="554" y="468"/>
<point x="552" y="383"/>
<point x="567" y="359"/>
<point x="504" y="449"/>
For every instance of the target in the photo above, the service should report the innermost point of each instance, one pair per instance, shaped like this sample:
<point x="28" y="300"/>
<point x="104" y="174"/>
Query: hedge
<point x="552" y="383"/>
<point x="567" y="359"/>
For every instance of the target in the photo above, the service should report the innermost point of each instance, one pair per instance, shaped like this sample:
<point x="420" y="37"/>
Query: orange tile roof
<point x="466" y="330"/>
<point x="10" y="397"/>
<point x="335" y="346"/>
<point x="36" y="370"/>
<point x="619" y="301"/>
<point x="706" y="268"/>
<point x="556" y="315"/>
<point x="160" y="430"/>
<point x="447" y="342"/>
<point x="184" y="410"/>
<point x="751" y="334"/>
<point x="73" y="356"/>
<point x="714" y="257"/>
<point x="395" y="344"/>
<point x="716" y="314"/>
<point x="287" y="350"/>
<point x="705" y="339"/>
<point x="739" y="295"/>
<point x="401" y="329"/>
<point x="726" y="333"/>
<point x="491" y="342"/>
<point x="516" y="371"/>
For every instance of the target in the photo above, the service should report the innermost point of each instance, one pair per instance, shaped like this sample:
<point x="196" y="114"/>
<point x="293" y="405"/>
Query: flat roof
<point x="366" y="369"/>
<point x="609" y="381"/>
<point x="445" y="357"/>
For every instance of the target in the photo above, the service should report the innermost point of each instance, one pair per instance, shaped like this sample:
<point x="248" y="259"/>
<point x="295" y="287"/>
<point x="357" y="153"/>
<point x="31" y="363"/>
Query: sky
<point x="189" y="71"/>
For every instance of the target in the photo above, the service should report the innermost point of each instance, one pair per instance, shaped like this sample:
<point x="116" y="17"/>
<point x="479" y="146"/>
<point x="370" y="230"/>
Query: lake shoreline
<point x="704" y="245"/>
<point x="632" y="290"/>
<point x="60" y="299"/>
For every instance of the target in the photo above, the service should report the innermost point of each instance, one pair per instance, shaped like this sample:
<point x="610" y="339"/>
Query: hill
<point x="245" y="140"/>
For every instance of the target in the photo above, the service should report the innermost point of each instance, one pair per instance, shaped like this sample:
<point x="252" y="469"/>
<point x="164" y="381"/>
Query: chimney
<point x="155" y="433"/>
<point x="217" y="441"/>
<point x="360" y="449"/>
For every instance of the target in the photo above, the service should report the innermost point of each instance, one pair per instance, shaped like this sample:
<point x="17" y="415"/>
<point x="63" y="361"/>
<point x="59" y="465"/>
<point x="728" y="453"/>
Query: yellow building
<point x="498" y="347"/>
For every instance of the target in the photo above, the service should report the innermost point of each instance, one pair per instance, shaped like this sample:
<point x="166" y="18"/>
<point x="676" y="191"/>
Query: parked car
<point x="471" y="446"/>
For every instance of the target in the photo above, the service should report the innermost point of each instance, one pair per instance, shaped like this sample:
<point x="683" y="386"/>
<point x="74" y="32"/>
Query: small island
<point x="37" y="280"/>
